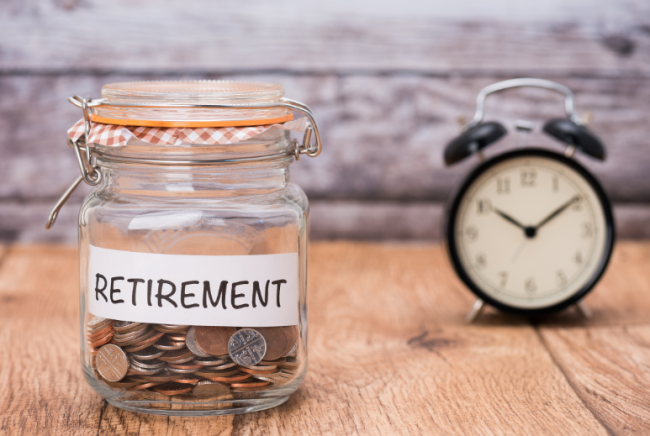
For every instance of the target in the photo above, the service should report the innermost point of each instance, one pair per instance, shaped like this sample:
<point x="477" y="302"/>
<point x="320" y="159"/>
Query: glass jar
<point x="193" y="253"/>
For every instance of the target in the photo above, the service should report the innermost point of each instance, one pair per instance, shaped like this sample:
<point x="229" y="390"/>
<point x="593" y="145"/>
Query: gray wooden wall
<point x="387" y="81"/>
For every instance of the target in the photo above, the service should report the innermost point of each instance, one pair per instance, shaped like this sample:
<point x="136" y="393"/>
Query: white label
<point x="233" y="291"/>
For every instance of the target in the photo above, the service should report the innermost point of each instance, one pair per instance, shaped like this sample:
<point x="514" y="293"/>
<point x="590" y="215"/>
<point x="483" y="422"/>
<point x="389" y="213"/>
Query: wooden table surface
<point x="390" y="353"/>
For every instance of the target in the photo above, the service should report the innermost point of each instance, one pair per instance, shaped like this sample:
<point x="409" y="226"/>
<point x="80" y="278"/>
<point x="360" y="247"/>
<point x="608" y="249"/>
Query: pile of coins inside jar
<point x="196" y="360"/>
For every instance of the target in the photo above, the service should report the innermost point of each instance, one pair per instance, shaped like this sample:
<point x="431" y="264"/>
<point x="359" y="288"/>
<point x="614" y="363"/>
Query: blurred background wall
<point x="386" y="80"/>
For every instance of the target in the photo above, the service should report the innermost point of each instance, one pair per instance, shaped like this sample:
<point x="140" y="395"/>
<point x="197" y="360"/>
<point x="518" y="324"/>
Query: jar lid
<point x="198" y="103"/>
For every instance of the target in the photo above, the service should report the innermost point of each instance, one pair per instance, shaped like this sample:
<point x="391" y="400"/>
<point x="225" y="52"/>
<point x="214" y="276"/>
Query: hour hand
<point x="509" y="218"/>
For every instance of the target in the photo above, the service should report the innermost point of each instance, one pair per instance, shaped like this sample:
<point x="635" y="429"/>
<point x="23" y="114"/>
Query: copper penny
<point x="212" y="374"/>
<point x="253" y="371"/>
<point x="126" y="326"/>
<point x="178" y="356"/>
<point x="214" y="340"/>
<point x="208" y="388"/>
<point x="188" y="380"/>
<point x="256" y="384"/>
<point x="185" y="366"/>
<point x="291" y="363"/>
<point x="231" y="379"/>
<point x="100" y="333"/>
<point x="145" y="342"/>
<point x="112" y="363"/>
<point x="103" y="340"/>
<point x="190" y="341"/>
<point x="97" y="323"/>
<point x="172" y="388"/>
<point x="276" y="342"/>
<point x="163" y="376"/>
<point x="143" y="386"/>
<point x="292" y="336"/>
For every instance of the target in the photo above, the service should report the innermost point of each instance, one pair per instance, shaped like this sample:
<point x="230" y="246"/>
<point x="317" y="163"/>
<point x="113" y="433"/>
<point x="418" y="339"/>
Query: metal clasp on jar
<point x="92" y="176"/>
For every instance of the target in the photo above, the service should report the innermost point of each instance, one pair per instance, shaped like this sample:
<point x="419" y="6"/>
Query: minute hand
<point x="557" y="211"/>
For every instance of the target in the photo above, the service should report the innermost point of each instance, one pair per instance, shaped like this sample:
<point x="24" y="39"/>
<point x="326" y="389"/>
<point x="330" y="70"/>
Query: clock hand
<point x="509" y="218"/>
<point x="556" y="212"/>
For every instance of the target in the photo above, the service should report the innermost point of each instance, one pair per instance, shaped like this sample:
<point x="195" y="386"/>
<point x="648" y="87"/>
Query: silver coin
<point x="247" y="347"/>
<point x="148" y="353"/>
<point x="211" y="362"/>
<point x="182" y="371"/>
<point x="190" y="342"/>
<point x="147" y="364"/>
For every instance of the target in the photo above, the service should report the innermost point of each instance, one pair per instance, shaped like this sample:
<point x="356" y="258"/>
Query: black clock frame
<point x="454" y="204"/>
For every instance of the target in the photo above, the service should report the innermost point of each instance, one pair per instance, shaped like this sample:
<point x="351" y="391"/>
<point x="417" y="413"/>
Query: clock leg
<point x="475" y="311"/>
<point x="583" y="309"/>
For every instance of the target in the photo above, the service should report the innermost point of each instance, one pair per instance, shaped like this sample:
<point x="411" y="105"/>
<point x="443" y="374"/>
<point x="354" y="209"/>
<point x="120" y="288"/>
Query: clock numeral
<point x="578" y="258"/>
<point x="562" y="279"/>
<point x="587" y="230"/>
<point x="528" y="177"/>
<point x="503" y="185"/>
<point x="503" y="279"/>
<point x="483" y="206"/>
<point x="577" y="205"/>
<point x="481" y="261"/>
<point x="530" y="285"/>
<point x="472" y="233"/>
<point x="556" y="184"/>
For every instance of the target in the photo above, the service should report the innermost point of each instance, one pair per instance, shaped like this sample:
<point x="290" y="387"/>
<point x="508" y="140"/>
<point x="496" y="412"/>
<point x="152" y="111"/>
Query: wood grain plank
<point x="46" y="391"/>
<point x="389" y="352"/>
<point x="606" y="359"/>
<point x="383" y="136"/>
<point x="609" y="368"/>
<point x="587" y="37"/>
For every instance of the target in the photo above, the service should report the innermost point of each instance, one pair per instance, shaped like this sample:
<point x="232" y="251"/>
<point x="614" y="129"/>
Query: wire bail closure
<point x="91" y="175"/>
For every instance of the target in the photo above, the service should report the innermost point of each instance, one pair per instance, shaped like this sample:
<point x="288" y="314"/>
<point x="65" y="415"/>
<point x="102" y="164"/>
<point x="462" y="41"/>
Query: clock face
<point x="530" y="230"/>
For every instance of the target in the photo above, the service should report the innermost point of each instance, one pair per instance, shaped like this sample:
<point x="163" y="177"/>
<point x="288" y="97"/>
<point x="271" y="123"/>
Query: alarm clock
<point x="530" y="230"/>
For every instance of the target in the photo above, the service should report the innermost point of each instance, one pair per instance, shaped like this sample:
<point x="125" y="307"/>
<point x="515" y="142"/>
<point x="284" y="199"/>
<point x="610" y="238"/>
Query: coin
<point x="148" y="353"/>
<point x="181" y="371"/>
<point x="112" y="363"/>
<point x="147" y="364"/>
<point x="231" y="379"/>
<point x="208" y="388"/>
<point x="190" y="342"/>
<point x="145" y="342"/>
<point x="256" y="384"/>
<point x="124" y="384"/>
<point x="136" y="370"/>
<point x="252" y="371"/>
<point x="125" y="326"/>
<point x="178" y="356"/>
<point x="214" y="340"/>
<point x="292" y="335"/>
<point x="101" y="332"/>
<point x="97" y="323"/>
<point x="260" y="367"/>
<point x="167" y="345"/>
<point x="172" y="388"/>
<point x="163" y="376"/>
<point x="143" y="386"/>
<point x="274" y="380"/>
<point x="102" y="340"/>
<point x="210" y="362"/>
<point x="292" y="352"/>
<point x="190" y="380"/>
<point x="291" y="363"/>
<point x="276" y="341"/>
<point x="212" y="374"/>
<point x="185" y="366"/>
<point x="247" y="347"/>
